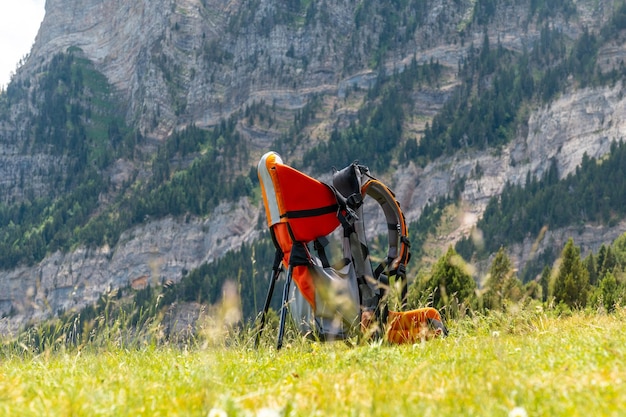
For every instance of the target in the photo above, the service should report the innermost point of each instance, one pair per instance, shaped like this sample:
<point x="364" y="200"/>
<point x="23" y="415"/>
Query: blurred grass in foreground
<point x="524" y="364"/>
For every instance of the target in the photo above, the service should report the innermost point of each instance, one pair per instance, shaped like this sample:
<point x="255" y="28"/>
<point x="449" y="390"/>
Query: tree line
<point x="594" y="193"/>
<point x="192" y="172"/>
<point x="498" y="86"/>
<point x="597" y="282"/>
<point x="489" y="108"/>
<point x="376" y="134"/>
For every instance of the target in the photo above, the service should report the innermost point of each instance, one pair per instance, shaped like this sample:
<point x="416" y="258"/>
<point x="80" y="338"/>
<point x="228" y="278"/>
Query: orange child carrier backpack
<point x="331" y="302"/>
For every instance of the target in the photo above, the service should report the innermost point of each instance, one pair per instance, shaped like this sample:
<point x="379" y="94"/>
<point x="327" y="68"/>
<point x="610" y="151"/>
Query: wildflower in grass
<point x="518" y="412"/>
<point x="217" y="412"/>
<point x="268" y="412"/>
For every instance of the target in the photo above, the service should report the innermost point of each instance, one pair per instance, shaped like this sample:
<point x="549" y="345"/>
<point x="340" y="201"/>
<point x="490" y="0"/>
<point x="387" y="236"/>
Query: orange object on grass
<point x="412" y="326"/>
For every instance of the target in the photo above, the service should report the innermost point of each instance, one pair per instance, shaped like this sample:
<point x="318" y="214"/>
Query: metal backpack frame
<point x="334" y="302"/>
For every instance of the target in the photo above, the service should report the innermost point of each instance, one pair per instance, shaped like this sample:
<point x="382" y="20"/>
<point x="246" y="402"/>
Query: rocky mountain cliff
<point x="175" y="63"/>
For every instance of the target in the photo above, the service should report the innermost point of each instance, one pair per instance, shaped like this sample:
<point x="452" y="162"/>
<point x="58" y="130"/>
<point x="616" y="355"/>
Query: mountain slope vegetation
<point x="71" y="113"/>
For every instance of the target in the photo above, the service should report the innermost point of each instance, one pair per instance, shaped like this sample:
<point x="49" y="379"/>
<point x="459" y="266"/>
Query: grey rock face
<point x="155" y="253"/>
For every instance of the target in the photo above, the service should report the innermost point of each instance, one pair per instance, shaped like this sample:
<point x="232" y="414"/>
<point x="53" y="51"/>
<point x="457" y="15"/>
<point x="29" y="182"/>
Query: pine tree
<point x="571" y="284"/>
<point x="608" y="263"/>
<point x="501" y="285"/>
<point x="590" y="264"/>
<point x="544" y="281"/>
<point x="609" y="291"/>
<point x="619" y="250"/>
<point x="600" y="260"/>
<point x="450" y="282"/>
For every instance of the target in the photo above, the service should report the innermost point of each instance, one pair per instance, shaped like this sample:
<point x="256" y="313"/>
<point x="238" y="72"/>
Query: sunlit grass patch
<point x="555" y="366"/>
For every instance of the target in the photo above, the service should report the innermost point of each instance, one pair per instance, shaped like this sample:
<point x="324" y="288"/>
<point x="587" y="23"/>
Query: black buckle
<point x="354" y="201"/>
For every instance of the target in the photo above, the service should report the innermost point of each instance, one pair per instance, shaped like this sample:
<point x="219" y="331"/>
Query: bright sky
<point x="19" y="23"/>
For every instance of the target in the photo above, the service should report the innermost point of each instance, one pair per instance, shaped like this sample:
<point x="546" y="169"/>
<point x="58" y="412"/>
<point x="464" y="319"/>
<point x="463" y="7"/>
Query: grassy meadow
<point x="530" y="363"/>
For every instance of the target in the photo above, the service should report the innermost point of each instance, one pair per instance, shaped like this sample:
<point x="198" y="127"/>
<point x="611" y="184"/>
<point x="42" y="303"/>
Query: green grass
<point x="526" y="363"/>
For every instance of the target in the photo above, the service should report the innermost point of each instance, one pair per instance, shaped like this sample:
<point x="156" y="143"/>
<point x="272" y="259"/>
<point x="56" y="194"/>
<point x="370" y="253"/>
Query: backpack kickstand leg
<point x="276" y="270"/>
<point x="283" y="309"/>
